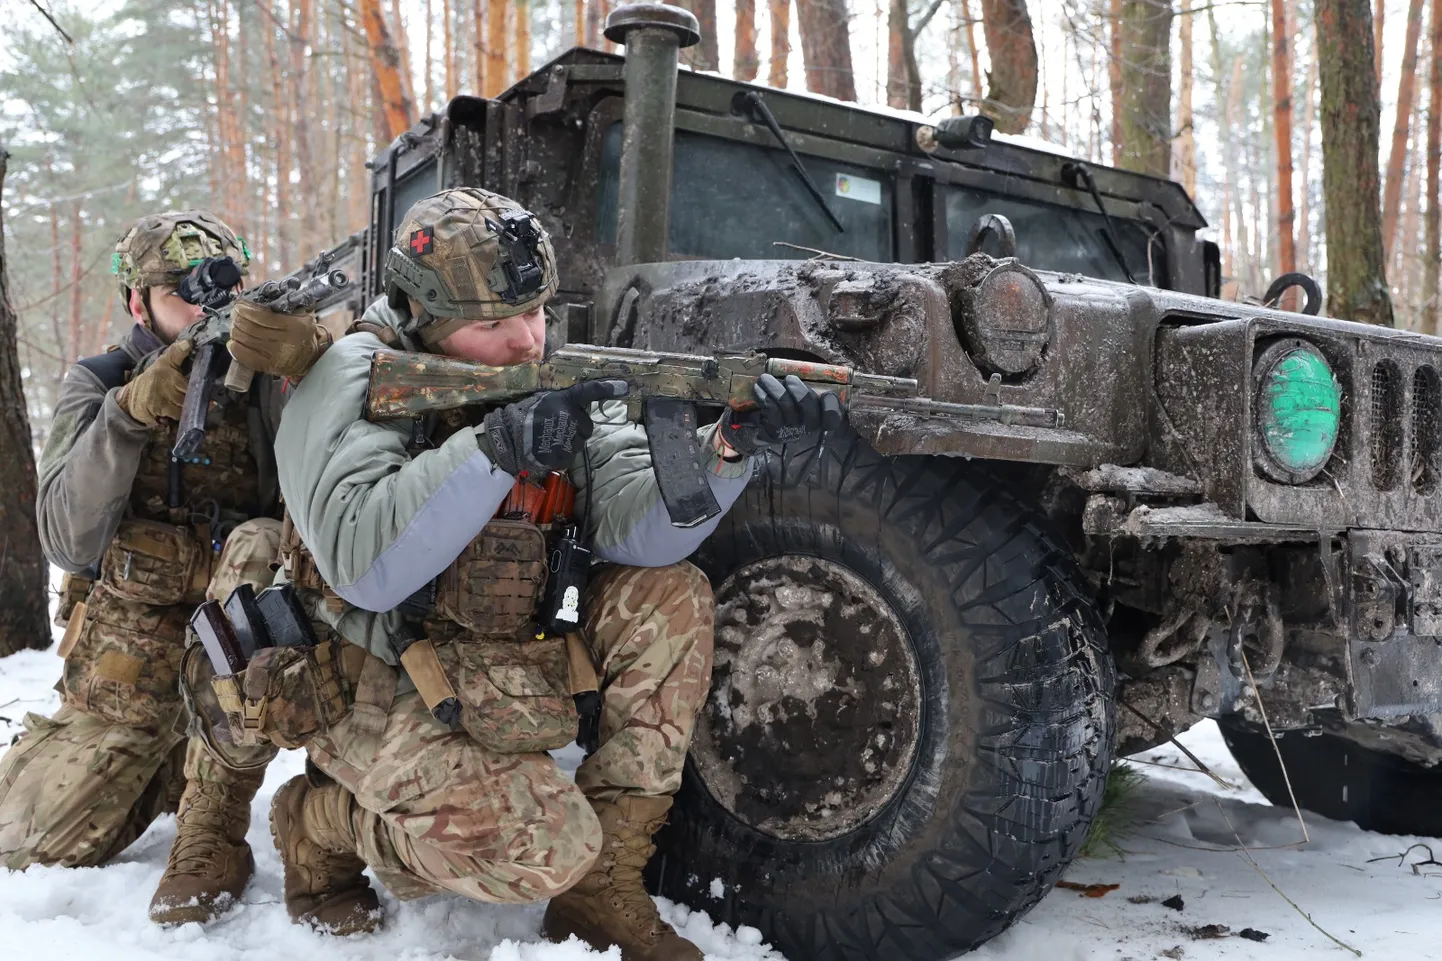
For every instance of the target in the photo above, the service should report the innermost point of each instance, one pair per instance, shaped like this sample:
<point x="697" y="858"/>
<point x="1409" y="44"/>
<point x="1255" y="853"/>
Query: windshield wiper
<point x="749" y="102"/>
<point x="1074" y="171"/>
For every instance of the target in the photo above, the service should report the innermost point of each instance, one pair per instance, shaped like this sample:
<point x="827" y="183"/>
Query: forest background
<point x="268" y="110"/>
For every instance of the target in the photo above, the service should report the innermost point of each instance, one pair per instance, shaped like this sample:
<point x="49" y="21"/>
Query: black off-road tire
<point x="1016" y="729"/>
<point x="1340" y="779"/>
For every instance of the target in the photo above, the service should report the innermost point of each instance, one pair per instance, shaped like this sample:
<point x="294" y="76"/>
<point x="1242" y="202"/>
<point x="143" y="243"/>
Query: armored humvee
<point x="932" y="639"/>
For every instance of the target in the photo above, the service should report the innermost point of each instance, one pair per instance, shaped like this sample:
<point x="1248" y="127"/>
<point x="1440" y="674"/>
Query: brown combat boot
<point x="609" y="905"/>
<point x="210" y="863"/>
<point x="325" y="886"/>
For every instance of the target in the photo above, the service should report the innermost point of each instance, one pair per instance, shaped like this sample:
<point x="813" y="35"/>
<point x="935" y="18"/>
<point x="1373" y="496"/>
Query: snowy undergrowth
<point x="1383" y="908"/>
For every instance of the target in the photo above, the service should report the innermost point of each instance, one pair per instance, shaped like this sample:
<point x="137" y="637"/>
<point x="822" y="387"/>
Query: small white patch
<point x="858" y="188"/>
<point x="570" y="611"/>
<point x="718" y="888"/>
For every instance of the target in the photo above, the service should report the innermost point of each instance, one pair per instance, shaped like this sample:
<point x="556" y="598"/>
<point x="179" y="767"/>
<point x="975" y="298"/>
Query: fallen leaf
<point x="1088" y="890"/>
<point x="1174" y="902"/>
<point x="1252" y="934"/>
<point x="1206" y="932"/>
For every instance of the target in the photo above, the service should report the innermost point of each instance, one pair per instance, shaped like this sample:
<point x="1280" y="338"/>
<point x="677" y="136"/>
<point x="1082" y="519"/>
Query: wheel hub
<point x="811" y="726"/>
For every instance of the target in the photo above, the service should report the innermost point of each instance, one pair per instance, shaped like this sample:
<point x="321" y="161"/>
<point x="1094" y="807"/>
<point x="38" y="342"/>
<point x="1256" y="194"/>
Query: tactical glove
<point x="159" y="390"/>
<point x="784" y="414"/>
<point x="286" y="345"/>
<point x="545" y="431"/>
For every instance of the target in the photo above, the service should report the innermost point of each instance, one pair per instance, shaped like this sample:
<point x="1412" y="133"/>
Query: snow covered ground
<point x="1183" y="842"/>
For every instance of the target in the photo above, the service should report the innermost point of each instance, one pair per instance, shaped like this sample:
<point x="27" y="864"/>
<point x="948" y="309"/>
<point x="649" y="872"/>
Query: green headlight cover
<point x="1299" y="410"/>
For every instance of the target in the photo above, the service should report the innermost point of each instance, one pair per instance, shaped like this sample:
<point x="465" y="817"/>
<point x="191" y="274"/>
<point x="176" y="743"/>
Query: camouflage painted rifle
<point x="664" y="391"/>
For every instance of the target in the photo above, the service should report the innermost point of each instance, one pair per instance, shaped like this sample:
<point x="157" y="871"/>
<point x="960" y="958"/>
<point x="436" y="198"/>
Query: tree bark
<point x="705" y="55"/>
<point x="24" y="601"/>
<point x="1282" y="129"/>
<point x="1396" y="158"/>
<point x="1114" y="74"/>
<point x="1356" y="277"/>
<point x="523" y="38"/>
<point x="780" y="13"/>
<point x="745" y="63"/>
<point x="301" y="112"/>
<point x="1304" y="200"/>
<point x="403" y="44"/>
<point x="1186" y="136"/>
<point x="280" y="126"/>
<point x="1012" y="79"/>
<point x="478" y="44"/>
<point x="452" y="52"/>
<point x="385" y="64"/>
<point x="1432" y="262"/>
<point x="496" y="74"/>
<point x="826" y="48"/>
<point x="1379" y="19"/>
<point x="1146" y="81"/>
<point x="977" y="93"/>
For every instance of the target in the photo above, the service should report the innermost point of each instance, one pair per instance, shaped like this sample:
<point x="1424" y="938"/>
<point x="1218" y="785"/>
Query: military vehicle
<point x="931" y="640"/>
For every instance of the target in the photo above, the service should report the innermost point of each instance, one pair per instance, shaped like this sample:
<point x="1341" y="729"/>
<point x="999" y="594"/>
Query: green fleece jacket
<point x="382" y="523"/>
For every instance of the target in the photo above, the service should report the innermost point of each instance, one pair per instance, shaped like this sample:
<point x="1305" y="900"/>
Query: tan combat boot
<point x="609" y="905"/>
<point x="210" y="863"/>
<point x="325" y="886"/>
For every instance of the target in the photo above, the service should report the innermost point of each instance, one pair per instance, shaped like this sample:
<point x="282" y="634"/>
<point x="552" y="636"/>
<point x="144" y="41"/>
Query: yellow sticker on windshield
<point x="858" y="188"/>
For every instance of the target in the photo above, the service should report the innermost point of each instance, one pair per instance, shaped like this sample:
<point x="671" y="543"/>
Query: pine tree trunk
<point x="385" y="66"/>
<point x="24" y="600"/>
<point x="705" y="55"/>
<point x="745" y="64"/>
<point x="280" y="143"/>
<point x="1282" y="128"/>
<point x="896" y="79"/>
<point x="1432" y="260"/>
<point x="452" y="52"/>
<point x="1356" y="279"/>
<point x="301" y="112"/>
<point x="780" y="13"/>
<point x="1379" y="20"/>
<point x="1012" y="80"/>
<point x="403" y="44"/>
<point x="1186" y="137"/>
<point x="1406" y="279"/>
<point x="1406" y="89"/>
<point x="1146" y="81"/>
<point x="428" y="68"/>
<point x="478" y="44"/>
<point x="977" y="93"/>
<point x="497" y="79"/>
<point x="522" y="46"/>
<point x="1114" y="74"/>
<point x="953" y="58"/>
<point x="826" y="47"/>
<point x="1304" y="201"/>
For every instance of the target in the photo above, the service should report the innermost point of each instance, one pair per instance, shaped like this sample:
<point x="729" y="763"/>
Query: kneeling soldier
<point x="418" y="548"/>
<point x="145" y="538"/>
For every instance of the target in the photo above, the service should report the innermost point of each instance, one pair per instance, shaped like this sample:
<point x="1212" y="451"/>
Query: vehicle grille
<point x="1385" y="428"/>
<point x="1426" y="428"/>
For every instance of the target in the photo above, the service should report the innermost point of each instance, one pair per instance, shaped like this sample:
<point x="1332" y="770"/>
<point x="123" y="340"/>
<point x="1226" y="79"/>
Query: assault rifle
<point x="664" y="391"/>
<point x="212" y="285"/>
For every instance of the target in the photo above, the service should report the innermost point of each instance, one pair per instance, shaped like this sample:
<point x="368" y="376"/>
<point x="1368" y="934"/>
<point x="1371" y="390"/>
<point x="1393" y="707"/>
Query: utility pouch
<point x="514" y="694"/>
<point x="495" y="584"/>
<point x="209" y="706"/>
<point x="153" y="563"/>
<point x="74" y="589"/>
<point x="285" y="696"/>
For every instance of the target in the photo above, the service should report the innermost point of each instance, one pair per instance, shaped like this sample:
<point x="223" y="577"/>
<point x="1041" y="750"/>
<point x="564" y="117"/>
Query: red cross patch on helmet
<point x="422" y="240"/>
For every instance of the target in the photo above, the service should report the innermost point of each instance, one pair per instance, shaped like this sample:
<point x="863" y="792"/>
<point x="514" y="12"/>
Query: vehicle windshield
<point x="1051" y="237"/>
<point x="731" y="199"/>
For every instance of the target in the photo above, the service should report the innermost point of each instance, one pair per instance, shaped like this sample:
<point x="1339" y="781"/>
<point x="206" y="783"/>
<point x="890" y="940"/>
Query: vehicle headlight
<point x="1298" y="410"/>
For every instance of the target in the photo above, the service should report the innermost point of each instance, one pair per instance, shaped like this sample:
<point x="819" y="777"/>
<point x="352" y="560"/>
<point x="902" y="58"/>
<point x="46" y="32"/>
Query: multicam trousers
<point x="437" y="811"/>
<point x="79" y="787"/>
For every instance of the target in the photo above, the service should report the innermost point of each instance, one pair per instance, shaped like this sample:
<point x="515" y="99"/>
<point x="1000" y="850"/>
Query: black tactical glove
<point x="784" y="413"/>
<point x="545" y="431"/>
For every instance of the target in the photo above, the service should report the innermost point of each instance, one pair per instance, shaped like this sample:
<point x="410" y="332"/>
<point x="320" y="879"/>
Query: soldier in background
<point x="472" y="804"/>
<point x="145" y="539"/>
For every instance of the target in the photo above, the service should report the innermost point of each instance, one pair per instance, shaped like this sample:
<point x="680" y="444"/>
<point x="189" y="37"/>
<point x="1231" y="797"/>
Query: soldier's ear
<point x="139" y="305"/>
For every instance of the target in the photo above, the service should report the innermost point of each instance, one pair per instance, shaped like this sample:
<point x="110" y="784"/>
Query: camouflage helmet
<point x="163" y="248"/>
<point x="465" y="255"/>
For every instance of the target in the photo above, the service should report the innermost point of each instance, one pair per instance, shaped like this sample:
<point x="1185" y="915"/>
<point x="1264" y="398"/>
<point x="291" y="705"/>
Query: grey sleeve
<point x="86" y="471"/>
<point x="380" y="523"/>
<point x="628" y="522"/>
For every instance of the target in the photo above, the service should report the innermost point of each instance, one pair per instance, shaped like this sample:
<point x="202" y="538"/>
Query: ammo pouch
<point x="300" y="567"/>
<point x="515" y="695"/>
<point x="153" y="563"/>
<point x="494" y="586"/>
<point x="209" y="721"/>
<point x="285" y="696"/>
